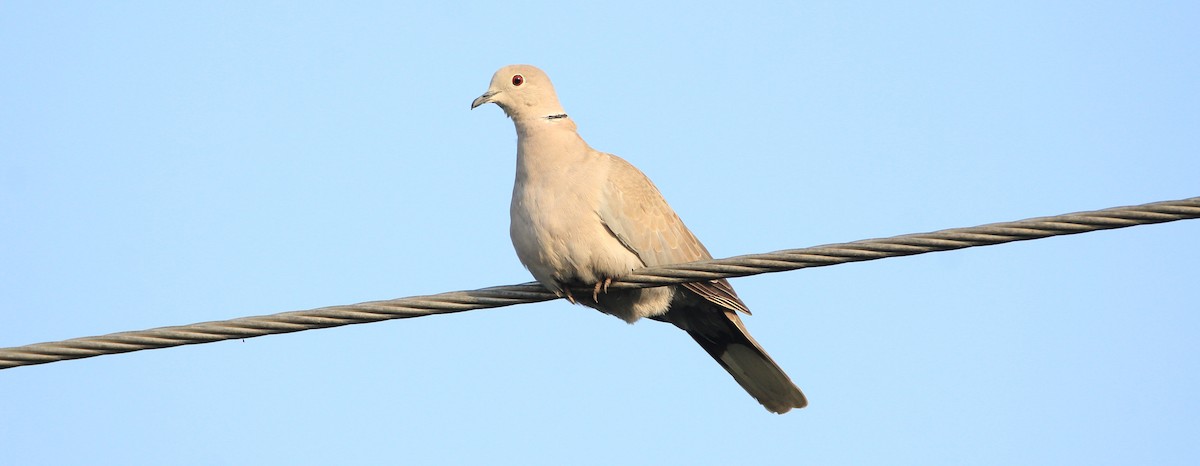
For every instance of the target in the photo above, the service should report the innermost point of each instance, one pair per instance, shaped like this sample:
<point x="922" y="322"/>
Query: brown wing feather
<point x="650" y="229"/>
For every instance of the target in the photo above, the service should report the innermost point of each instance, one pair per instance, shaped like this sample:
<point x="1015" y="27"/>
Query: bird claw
<point x="569" y="296"/>
<point x="603" y="284"/>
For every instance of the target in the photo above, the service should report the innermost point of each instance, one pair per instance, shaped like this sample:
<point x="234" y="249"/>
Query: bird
<point x="581" y="218"/>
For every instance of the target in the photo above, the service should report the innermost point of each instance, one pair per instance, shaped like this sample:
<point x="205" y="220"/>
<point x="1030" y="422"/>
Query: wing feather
<point x="637" y="214"/>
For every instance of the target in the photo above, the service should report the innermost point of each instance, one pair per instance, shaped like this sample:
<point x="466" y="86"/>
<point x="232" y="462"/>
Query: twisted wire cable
<point x="739" y="266"/>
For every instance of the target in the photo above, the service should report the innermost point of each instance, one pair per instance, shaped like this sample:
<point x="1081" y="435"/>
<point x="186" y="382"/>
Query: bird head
<point x="523" y="92"/>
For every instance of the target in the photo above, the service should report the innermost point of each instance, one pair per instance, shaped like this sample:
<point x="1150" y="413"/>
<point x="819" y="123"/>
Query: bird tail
<point x="720" y="332"/>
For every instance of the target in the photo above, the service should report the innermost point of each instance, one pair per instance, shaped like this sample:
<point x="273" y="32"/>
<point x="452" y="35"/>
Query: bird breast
<point x="557" y="231"/>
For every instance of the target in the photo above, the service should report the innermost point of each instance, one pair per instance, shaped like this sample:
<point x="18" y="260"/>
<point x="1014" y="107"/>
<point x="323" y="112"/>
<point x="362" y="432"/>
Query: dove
<point x="581" y="218"/>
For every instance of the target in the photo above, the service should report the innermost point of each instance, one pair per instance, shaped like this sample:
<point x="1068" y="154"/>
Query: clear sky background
<point x="164" y="163"/>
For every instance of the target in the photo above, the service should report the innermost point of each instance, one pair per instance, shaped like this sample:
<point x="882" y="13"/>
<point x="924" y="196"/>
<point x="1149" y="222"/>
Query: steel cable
<point x="740" y="266"/>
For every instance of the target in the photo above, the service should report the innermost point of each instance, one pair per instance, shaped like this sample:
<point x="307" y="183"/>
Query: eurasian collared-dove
<point x="581" y="218"/>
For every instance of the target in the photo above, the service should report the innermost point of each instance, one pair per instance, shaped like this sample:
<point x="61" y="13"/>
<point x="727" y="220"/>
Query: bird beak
<point x="483" y="99"/>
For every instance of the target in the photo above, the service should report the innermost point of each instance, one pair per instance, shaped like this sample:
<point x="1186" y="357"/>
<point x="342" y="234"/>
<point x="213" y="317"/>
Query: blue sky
<point x="171" y="163"/>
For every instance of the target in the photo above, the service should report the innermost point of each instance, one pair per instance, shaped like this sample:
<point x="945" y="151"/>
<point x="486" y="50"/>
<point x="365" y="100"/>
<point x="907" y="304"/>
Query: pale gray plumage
<point x="581" y="217"/>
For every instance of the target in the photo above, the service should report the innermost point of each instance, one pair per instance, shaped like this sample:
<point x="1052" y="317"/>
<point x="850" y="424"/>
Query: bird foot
<point x="570" y="297"/>
<point x="603" y="284"/>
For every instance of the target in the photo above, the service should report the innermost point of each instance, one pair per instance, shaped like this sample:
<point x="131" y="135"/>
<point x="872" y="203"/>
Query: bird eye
<point x="518" y="80"/>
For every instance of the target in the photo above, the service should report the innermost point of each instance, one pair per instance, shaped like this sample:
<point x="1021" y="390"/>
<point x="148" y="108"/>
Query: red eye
<point x="518" y="80"/>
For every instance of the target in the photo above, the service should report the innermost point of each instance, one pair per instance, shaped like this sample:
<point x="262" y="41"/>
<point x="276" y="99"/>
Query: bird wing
<point x="635" y="212"/>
